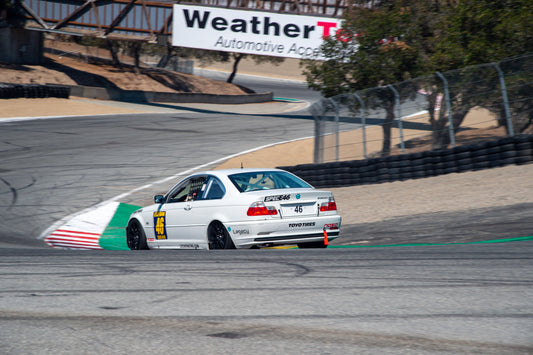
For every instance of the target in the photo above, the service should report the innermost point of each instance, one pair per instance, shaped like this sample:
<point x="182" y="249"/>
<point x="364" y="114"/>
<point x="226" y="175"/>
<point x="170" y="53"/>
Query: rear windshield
<point x="266" y="180"/>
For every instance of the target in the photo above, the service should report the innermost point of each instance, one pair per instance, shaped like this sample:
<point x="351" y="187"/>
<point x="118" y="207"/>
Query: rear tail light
<point x="259" y="209"/>
<point x="328" y="206"/>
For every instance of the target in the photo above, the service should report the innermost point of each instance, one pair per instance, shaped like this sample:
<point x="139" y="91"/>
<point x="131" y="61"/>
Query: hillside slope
<point x="66" y="70"/>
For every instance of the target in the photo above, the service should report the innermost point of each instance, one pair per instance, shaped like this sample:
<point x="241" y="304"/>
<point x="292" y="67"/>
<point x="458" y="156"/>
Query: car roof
<point x="226" y="172"/>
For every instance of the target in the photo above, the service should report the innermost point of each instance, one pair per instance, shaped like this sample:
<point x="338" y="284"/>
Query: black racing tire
<point x="309" y="245"/>
<point x="218" y="237"/>
<point x="135" y="236"/>
<point x="462" y="155"/>
<point x="523" y="159"/>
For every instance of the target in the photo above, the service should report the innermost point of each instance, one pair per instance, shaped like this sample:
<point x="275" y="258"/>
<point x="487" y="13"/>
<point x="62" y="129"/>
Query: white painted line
<point x="21" y="119"/>
<point x="415" y="114"/>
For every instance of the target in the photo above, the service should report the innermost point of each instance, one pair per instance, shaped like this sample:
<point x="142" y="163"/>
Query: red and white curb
<point x="65" y="238"/>
<point x="82" y="231"/>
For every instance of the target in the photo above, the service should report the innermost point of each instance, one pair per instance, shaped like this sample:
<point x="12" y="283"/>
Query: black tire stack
<point x="478" y="156"/>
<point x="33" y="91"/>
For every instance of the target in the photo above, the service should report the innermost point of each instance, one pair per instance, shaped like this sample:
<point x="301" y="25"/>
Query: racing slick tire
<point x="218" y="237"/>
<point x="135" y="236"/>
<point x="308" y="245"/>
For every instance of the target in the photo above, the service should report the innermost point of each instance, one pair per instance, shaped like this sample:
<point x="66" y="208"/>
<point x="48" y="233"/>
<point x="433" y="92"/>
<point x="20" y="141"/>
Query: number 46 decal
<point x="298" y="209"/>
<point x="159" y="225"/>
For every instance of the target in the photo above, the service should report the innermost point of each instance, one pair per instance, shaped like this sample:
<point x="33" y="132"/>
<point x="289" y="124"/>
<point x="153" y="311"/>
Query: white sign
<point x="251" y="32"/>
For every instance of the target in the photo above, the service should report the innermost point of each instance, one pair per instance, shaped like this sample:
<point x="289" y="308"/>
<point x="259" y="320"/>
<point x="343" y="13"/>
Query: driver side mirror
<point x="159" y="198"/>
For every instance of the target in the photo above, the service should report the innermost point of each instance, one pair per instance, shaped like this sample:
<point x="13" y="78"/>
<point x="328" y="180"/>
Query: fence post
<point x="398" y="107"/>
<point x="505" y="100"/>
<point x="336" y="107"/>
<point x="363" y="121"/>
<point x="318" y="110"/>
<point x="318" y="137"/>
<point x="449" y="107"/>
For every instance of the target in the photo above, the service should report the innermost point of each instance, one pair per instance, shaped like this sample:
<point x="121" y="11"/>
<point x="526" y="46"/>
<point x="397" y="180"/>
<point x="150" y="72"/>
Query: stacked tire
<point x="524" y="149"/>
<point x="33" y="91"/>
<point x="479" y="156"/>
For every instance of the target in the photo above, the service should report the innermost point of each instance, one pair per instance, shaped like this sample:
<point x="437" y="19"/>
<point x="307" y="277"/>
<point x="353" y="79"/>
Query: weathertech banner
<point x="251" y="32"/>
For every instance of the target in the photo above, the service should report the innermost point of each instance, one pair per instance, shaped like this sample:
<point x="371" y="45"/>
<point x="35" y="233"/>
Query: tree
<point x="237" y="57"/>
<point x="396" y="40"/>
<point x="113" y="52"/>
<point x="379" y="44"/>
<point x="134" y="49"/>
<point x="487" y="31"/>
<point x="258" y="59"/>
<point x="483" y="31"/>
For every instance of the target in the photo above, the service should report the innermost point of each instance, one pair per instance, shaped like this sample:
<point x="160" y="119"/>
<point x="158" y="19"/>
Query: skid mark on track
<point x="14" y="194"/>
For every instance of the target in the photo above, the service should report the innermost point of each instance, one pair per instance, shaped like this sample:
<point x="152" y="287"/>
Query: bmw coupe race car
<point x="236" y="208"/>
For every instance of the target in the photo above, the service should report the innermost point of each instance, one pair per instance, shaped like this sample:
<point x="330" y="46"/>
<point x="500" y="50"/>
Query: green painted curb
<point x="505" y="240"/>
<point x="284" y="99"/>
<point x="114" y="236"/>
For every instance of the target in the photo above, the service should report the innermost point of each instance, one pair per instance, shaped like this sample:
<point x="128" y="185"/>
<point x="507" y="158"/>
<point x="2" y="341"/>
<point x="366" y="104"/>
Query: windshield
<point x="266" y="180"/>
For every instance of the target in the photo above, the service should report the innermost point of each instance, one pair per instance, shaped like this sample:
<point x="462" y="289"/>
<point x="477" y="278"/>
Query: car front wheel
<point x="218" y="237"/>
<point x="135" y="236"/>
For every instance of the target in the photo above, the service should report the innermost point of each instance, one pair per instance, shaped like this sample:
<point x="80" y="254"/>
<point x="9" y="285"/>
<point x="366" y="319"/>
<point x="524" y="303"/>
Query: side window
<point x="187" y="191"/>
<point x="215" y="189"/>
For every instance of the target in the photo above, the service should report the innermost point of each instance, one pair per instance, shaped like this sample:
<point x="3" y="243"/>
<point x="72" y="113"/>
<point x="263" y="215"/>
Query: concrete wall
<point x="20" y="46"/>
<point x="149" y="96"/>
<point x="8" y="91"/>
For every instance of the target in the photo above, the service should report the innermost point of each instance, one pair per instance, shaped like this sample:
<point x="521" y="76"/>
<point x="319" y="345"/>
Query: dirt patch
<point x="65" y="70"/>
<point x="472" y="136"/>
<point x="64" y="107"/>
<point x="496" y="187"/>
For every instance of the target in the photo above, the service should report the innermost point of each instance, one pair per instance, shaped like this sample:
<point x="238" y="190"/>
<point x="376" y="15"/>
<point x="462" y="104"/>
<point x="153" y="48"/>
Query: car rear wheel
<point x="135" y="236"/>
<point x="218" y="237"/>
<point x="312" y="245"/>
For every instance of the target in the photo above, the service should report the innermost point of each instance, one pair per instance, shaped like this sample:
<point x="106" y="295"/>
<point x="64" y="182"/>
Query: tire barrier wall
<point x="32" y="91"/>
<point x="479" y="156"/>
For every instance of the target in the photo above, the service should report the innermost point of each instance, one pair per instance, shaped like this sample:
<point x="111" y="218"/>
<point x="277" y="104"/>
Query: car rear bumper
<point x="284" y="231"/>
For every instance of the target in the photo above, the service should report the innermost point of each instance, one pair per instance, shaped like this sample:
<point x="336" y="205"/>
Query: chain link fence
<point x="438" y="111"/>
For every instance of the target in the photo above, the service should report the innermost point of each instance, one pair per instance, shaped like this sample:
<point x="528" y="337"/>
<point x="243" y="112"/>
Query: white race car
<point x="236" y="208"/>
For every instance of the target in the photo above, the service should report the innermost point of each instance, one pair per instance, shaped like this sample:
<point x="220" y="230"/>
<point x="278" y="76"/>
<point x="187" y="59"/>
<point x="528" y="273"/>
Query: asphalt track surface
<point x="53" y="168"/>
<point x="468" y="298"/>
<point x="282" y="88"/>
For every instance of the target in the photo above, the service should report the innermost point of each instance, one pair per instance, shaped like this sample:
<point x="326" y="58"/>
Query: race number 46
<point x="159" y="225"/>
